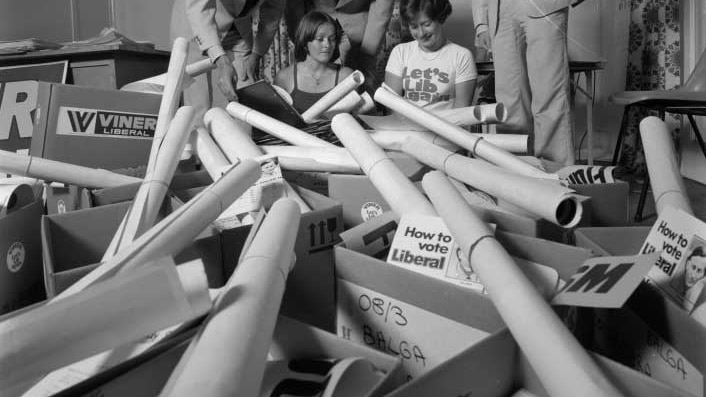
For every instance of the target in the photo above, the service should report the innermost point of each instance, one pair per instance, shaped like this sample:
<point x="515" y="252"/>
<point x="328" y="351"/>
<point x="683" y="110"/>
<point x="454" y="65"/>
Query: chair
<point x="689" y="99"/>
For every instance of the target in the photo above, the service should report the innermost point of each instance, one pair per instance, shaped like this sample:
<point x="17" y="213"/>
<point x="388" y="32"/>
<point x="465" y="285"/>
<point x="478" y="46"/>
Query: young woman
<point x="313" y="74"/>
<point x="430" y="71"/>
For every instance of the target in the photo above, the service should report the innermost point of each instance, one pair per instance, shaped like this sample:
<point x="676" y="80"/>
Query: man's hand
<point x="483" y="41"/>
<point x="227" y="77"/>
<point x="252" y="67"/>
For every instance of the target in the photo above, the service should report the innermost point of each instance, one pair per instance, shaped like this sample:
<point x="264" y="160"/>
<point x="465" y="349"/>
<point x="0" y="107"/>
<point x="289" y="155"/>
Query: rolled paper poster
<point x="235" y="140"/>
<point x="399" y="192"/>
<point x="178" y="229"/>
<point x="155" y="84"/>
<point x="368" y="104"/>
<point x="560" y="362"/>
<point x="57" y="171"/>
<point x="229" y="353"/>
<point x="348" y="104"/>
<point x="665" y="177"/>
<point x="477" y="146"/>
<point x="233" y="136"/>
<point x="108" y="315"/>
<point x="337" y="93"/>
<point x="548" y="199"/>
<point x="149" y="197"/>
<point x="210" y="154"/>
<point x="302" y="158"/>
<point x="273" y="126"/>
<point x="392" y="140"/>
<point x="14" y="197"/>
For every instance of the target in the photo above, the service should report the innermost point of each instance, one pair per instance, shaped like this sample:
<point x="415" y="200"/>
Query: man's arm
<point x="270" y="14"/>
<point x="201" y="15"/>
<point x="480" y="23"/>
<point x="379" y="16"/>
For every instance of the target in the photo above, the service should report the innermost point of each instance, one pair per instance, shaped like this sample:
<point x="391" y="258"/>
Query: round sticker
<point x="61" y="207"/>
<point x="15" y="256"/>
<point x="370" y="209"/>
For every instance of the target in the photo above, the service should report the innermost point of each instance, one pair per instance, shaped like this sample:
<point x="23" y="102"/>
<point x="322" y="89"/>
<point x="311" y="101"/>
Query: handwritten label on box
<point x="421" y="338"/>
<point x="605" y="281"/>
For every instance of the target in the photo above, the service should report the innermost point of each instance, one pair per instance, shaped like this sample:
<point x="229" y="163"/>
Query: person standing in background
<point x="529" y="45"/>
<point x="222" y="31"/>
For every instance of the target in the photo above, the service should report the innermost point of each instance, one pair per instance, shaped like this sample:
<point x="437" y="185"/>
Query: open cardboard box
<point x="660" y="314"/>
<point x="21" y="257"/>
<point x="147" y="374"/>
<point x="495" y="367"/>
<point x="430" y="301"/>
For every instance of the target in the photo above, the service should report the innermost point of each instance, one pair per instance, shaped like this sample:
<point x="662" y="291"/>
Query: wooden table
<point x="587" y="68"/>
<point x="107" y="66"/>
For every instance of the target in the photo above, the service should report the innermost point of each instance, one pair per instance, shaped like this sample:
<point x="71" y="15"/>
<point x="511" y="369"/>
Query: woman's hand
<point x="227" y="77"/>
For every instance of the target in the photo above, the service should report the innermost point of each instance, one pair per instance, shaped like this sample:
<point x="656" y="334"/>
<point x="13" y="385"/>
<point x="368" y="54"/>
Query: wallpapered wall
<point x="654" y="64"/>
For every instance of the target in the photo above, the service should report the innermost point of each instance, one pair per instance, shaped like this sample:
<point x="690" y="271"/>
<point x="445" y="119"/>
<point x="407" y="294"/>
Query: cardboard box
<point x="74" y="243"/>
<point x="609" y="204"/>
<point x="93" y="127"/>
<point x="310" y="293"/>
<point x="62" y="198"/>
<point x="147" y="374"/>
<point x="21" y="258"/>
<point x="413" y="295"/>
<point x="18" y="105"/>
<point x="671" y="323"/>
<point x="496" y="367"/>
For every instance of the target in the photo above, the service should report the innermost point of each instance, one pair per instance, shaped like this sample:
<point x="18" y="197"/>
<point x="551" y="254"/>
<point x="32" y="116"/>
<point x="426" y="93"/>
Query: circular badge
<point x="370" y="209"/>
<point x="15" y="256"/>
<point x="60" y="206"/>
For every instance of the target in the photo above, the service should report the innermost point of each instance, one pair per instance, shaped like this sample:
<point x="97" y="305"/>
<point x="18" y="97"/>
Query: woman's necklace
<point x="317" y="80"/>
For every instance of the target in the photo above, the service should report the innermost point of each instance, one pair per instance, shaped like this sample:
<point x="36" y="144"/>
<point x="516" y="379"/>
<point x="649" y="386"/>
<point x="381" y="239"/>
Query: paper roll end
<point x="568" y="212"/>
<point x="212" y="114"/>
<point x="358" y="77"/>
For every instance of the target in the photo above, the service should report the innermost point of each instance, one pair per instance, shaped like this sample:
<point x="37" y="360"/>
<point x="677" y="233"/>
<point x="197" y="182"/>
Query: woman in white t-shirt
<point x="431" y="71"/>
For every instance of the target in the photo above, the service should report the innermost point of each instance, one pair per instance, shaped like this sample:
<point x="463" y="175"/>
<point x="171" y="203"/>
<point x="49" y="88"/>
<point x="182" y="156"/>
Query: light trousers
<point x="531" y="63"/>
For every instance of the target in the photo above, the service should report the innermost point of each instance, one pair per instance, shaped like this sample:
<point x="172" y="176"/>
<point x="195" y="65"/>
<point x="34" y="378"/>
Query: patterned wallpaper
<point x="654" y="63"/>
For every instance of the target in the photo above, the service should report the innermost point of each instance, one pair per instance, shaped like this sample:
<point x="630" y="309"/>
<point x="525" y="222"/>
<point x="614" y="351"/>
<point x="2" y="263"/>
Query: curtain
<point x="654" y="63"/>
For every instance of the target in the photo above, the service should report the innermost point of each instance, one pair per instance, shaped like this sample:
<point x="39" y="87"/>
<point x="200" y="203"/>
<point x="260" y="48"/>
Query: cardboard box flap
<point x="445" y="299"/>
<point x="565" y="259"/>
<point x="612" y="241"/>
<point x="485" y="369"/>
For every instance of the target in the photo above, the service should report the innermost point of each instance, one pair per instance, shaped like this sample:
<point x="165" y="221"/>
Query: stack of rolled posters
<point x="561" y="364"/>
<point x="155" y="84"/>
<point x="57" y="171"/>
<point x="343" y="88"/>
<point x="160" y="170"/>
<point x="548" y="199"/>
<point x="228" y="355"/>
<point x="234" y="139"/>
<point x="102" y="317"/>
<point x="178" y="229"/>
<point x="274" y="127"/>
<point x="665" y="177"/>
<point x="319" y="159"/>
<point x="211" y="156"/>
<point x="392" y="140"/>
<point x="399" y="192"/>
<point x="478" y="147"/>
<point x="14" y="197"/>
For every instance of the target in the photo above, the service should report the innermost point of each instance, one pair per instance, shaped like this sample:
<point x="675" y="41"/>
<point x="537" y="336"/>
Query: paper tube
<point x="105" y="316"/>
<point x="561" y="364"/>
<point x="399" y="192"/>
<point x="149" y="197"/>
<point x="392" y="140"/>
<point x="368" y="104"/>
<point x="178" y="229"/>
<point x="348" y="104"/>
<point x="481" y="114"/>
<point x="57" y="171"/>
<point x="478" y="147"/>
<point x="227" y="357"/>
<point x="273" y="126"/>
<point x="665" y="177"/>
<point x="14" y="197"/>
<point x="236" y="142"/>
<point x="155" y="84"/>
<point x="548" y="199"/>
<point x="301" y="158"/>
<point x="210" y="154"/>
<point x="342" y="89"/>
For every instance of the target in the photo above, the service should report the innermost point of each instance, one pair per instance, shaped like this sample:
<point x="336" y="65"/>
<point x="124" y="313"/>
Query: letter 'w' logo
<point x="80" y="120"/>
